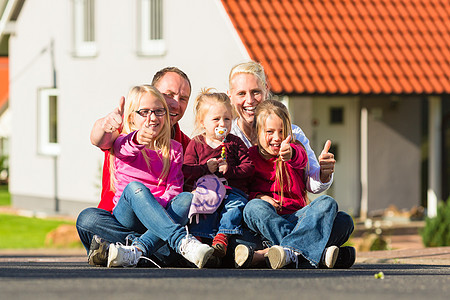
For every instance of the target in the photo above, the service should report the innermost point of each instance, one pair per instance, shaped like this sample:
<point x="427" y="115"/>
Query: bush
<point x="436" y="232"/>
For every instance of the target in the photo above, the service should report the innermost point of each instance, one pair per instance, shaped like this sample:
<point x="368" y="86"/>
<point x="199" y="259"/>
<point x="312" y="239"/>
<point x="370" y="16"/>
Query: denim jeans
<point x="227" y="219"/>
<point x="308" y="231"/>
<point x="97" y="221"/>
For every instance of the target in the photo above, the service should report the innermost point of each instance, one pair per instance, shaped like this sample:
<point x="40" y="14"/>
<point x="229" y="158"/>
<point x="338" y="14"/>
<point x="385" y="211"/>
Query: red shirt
<point x="106" y="201"/>
<point x="240" y="168"/>
<point x="264" y="183"/>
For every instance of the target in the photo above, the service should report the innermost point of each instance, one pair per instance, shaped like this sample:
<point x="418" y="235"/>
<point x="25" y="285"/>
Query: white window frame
<point x="45" y="146"/>
<point x="83" y="21"/>
<point x="147" y="45"/>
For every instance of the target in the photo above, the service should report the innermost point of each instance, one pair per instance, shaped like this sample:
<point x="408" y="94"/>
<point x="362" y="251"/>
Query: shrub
<point x="436" y="232"/>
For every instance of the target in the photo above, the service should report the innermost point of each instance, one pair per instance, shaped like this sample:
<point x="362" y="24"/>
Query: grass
<point x="17" y="232"/>
<point x="5" y="197"/>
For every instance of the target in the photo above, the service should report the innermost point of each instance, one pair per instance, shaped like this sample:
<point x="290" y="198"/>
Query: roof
<point x="348" y="47"/>
<point x="4" y="81"/>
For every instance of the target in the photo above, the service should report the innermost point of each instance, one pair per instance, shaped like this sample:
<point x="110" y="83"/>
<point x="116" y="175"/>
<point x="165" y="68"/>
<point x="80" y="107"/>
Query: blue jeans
<point x="97" y="221"/>
<point x="308" y="231"/>
<point x="227" y="219"/>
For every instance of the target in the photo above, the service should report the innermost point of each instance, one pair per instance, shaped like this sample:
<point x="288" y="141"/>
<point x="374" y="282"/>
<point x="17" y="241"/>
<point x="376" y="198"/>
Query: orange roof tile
<point x="348" y="47"/>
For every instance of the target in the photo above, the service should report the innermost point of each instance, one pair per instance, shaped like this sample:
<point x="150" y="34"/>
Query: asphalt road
<point x="62" y="278"/>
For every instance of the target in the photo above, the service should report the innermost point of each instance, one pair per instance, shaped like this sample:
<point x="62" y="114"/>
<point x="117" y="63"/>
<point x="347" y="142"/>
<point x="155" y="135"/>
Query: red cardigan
<point x="240" y="168"/>
<point x="264" y="183"/>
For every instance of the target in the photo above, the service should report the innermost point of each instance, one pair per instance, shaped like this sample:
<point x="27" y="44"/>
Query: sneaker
<point x="98" y="252"/>
<point x="279" y="257"/>
<point x="194" y="251"/>
<point x="346" y="258"/>
<point x="123" y="256"/>
<point x="243" y="256"/>
<point x="220" y="243"/>
<point x="329" y="257"/>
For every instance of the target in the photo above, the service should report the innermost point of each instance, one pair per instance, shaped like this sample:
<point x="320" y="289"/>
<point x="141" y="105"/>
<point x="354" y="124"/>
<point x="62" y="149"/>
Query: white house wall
<point x="199" y="42"/>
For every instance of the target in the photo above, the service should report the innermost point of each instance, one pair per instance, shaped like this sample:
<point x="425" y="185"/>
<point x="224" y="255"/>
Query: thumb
<point x="286" y="141"/>
<point x="147" y="120"/>
<point x="121" y="106"/>
<point x="327" y="147"/>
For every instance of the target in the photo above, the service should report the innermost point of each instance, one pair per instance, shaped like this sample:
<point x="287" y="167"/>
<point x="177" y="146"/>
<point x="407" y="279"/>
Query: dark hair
<point x="158" y="75"/>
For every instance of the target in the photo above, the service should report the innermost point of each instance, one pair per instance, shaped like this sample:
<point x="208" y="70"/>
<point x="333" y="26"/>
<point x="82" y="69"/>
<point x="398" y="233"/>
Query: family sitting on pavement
<point x="238" y="196"/>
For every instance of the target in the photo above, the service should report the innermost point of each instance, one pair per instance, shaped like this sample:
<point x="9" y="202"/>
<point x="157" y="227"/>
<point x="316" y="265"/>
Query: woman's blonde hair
<point x="162" y="140"/>
<point x="254" y="68"/>
<point x="203" y="102"/>
<point x="263" y="111"/>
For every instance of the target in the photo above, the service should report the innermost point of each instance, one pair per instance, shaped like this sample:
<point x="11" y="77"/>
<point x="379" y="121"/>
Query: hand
<point x="286" y="149"/>
<point x="146" y="135"/>
<point x="223" y="165"/>
<point x="271" y="200"/>
<point x="326" y="162"/>
<point x="212" y="164"/>
<point x="113" y="121"/>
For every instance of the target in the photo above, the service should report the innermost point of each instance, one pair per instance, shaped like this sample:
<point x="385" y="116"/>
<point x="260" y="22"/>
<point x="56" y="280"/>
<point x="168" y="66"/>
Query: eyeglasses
<point x="145" y="112"/>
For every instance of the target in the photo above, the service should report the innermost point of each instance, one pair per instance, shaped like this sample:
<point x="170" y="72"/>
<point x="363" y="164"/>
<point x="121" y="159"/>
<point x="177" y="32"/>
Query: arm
<point x="243" y="168"/>
<point x="106" y="130"/>
<point x="192" y="170"/>
<point x="174" y="182"/>
<point x="126" y="146"/>
<point x="299" y="158"/>
<point x="314" y="184"/>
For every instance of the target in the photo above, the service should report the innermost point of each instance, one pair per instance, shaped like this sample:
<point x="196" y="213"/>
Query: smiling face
<point x="246" y="92"/>
<point x="271" y="135"/>
<point x="154" y="123"/>
<point x="217" y="117"/>
<point x="176" y="92"/>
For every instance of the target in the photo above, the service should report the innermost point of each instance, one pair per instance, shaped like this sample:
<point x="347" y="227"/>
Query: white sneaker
<point x="329" y="257"/>
<point x="280" y="257"/>
<point x="123" y="256"/>
<point x="194" y="251"/>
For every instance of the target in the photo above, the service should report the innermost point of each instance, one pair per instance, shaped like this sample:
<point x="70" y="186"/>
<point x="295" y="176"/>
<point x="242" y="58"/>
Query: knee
<point x="328" y="203"/>
<point x="256" y="207"/>
<point x="134" y="187"/>
<point x="346" y="221"/>
<point x="87" y="218"/>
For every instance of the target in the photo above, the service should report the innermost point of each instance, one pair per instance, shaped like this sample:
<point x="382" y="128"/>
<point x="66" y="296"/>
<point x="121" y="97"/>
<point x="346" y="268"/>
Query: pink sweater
<point x="264" y="179"/>
<point x="131" y="166"/>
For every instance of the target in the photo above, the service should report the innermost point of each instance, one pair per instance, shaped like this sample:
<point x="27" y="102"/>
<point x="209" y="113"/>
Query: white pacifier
<point x="221" y="132"/>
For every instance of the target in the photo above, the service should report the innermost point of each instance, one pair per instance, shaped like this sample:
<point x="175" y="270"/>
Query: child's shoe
<point x="123" y="256"/>
<point x="279" y="257"/>
<point x="220" y="243"/>
<point x="243" y="256"/>
<point x="98" y="252"/>
<point x="329" y="257"/>
<point x="194" y="251"/>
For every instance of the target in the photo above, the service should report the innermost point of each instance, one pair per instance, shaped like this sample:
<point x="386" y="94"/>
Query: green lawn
<point x="5" y="198"/>
<point x="18" y="232"/>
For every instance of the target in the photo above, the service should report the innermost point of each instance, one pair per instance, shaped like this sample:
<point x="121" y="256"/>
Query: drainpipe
<point x="434" y="155"/>
<point x="364" y="165"/>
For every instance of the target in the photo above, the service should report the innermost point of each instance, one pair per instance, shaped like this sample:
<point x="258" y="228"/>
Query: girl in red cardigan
<point x="279" y="212"/>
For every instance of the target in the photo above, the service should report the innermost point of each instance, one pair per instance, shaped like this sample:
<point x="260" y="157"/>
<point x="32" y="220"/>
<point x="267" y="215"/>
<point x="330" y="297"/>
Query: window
<point x="84" y="27"/>
<point x="151" y="38"/>
<point x="336" y="115"/>
<point x="48" y="122"/>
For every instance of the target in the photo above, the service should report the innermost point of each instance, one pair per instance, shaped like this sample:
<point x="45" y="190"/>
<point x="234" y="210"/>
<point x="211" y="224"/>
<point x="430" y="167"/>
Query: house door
<point x="337" y="119"/>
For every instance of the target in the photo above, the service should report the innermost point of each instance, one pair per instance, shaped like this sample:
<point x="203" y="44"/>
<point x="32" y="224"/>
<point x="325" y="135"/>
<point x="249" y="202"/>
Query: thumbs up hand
<point x="326" y="162"/>
<point x="113" y="121"/>
<point x="286" y="149"/>
<point x="147" y="134"/>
